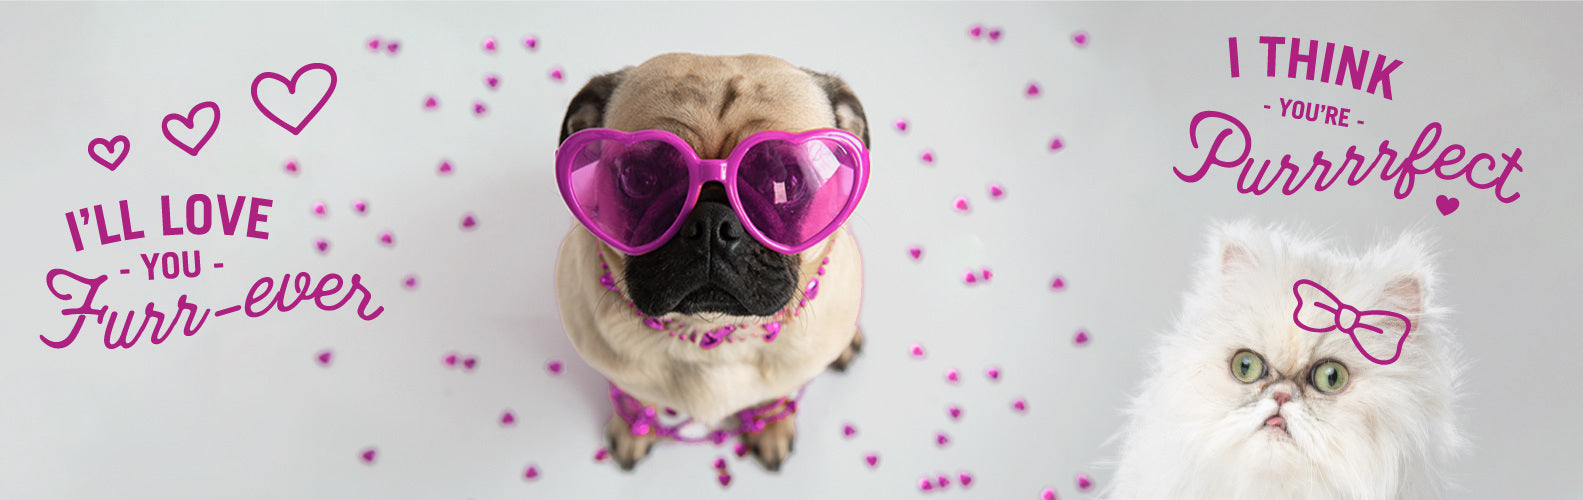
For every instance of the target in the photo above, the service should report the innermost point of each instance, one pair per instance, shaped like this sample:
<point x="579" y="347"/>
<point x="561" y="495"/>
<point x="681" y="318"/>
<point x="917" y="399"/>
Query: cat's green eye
<point x="1247" y="366"/>
<point x="1330" y="376"/>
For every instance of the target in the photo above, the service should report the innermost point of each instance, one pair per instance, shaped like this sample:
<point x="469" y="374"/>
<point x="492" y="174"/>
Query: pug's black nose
<point x="713" y="224"/>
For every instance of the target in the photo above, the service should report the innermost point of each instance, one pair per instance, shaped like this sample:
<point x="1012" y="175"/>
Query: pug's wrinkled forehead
<point x="714" y="102"/>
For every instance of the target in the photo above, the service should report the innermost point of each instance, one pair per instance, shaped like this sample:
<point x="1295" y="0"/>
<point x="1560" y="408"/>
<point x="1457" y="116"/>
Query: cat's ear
<point x="1235" y="256"/>
<point x="1405" y="294"/>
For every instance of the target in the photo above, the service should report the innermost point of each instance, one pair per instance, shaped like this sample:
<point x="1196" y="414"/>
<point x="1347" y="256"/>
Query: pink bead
<point x="387" y="239"/>
<point x="369" y="454"/>
<point x="1056" y="144"/>
<point x="1083" y="483"/>
<point x="720" y="463"/>
<point x="1081" y="338"/>
<point x="555" y="367"/>
<point x="531" y="42"/>
<point x="557" y="74"/>
<point x="492" y="80"/>
<point x="940" y="439"/>
<point x="532" y="473"/>
<point x="848" y="430"/>
<point x="926" y="484"/>
<point x="508" y="418"/>
<point x="952" y="376"/>
<point x="601" y="455"/>
<point x="445" y="167"/>
<point x="324" y="357"/>
<point x="996" y="192"/>
<point x="901" y="125"/>
<point x="1033" y="89"/>
<point x="960" y="204"/>
<point x="360" y="207"/>
<point x="479" y="108"/>
<point x="318" y="208"/>
<point x="993" y="373"/>
<point x="917" y="351"/>
<point x="942" y="481"/>
<point x="489" y="45"/>
<point x="1058" y="284"/>
<point x="812" y="290"/>
<point x="1047" y="494"/>
<point x="469" y="221"/>
<point x="1020" y="405"/>
<point x="411" y="282"/>
<point x="291" y="167"/>
<point x="431" y="103"/>
<point x="954" y="411"/>
<point x="1080" y="39"/>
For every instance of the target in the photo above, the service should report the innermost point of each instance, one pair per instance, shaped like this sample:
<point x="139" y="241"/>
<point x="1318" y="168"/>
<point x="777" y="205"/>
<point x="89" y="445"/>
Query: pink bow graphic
<point x="1347" y="319"/>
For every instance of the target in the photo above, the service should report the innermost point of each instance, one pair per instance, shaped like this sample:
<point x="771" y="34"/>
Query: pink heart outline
<point x="187" y="121"/>
<point x="291" y="88"/>
<point x="109" y="145"/>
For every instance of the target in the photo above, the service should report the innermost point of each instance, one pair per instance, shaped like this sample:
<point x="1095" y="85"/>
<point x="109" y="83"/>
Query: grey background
<point x="241" y="410"/>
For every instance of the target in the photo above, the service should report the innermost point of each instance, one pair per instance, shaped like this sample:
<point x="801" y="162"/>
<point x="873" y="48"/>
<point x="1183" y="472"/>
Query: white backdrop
<point x="242" y="409"/>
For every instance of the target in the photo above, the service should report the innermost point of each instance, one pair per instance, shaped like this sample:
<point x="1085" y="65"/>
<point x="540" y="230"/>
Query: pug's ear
<point x="587" y="109"/>
<point x="848" y="111"/>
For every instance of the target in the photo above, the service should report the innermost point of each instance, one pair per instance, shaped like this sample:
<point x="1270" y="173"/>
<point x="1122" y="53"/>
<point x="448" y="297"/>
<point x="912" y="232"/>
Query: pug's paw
<point x="846" y="357"/>
<point x="626" y="448"/>
<point x="774" y="444"/>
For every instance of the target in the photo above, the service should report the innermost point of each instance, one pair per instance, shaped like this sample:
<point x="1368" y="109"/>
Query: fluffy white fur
<point x="1198" y="432"/>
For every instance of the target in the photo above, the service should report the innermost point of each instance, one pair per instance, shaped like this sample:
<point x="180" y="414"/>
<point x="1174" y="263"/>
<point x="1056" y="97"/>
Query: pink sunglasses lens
<point x="792" y="192"/>
<point x="630" y="194"/>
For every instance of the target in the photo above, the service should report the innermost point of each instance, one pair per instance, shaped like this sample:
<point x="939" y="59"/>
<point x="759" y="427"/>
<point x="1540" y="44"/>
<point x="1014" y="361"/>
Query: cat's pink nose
<point x="1281" y="397"/>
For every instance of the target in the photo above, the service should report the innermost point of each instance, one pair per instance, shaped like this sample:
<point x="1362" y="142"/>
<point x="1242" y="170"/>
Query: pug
<point x="684" y="304"/>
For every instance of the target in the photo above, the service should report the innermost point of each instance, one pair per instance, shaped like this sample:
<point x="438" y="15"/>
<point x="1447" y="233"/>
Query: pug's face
<point x="712" y="265"/>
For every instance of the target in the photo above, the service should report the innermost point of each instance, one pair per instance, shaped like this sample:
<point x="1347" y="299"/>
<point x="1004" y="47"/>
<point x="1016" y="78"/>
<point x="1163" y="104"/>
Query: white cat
<point x="1243" y="403"/>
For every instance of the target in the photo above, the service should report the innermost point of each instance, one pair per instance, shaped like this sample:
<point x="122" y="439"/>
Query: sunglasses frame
<point x="701" y="171"/>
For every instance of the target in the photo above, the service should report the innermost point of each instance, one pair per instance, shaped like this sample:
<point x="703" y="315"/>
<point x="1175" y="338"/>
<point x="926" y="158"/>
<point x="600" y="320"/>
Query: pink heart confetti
<point x="1058" y="284"/>
<point x="557" y="74"/>
<point x="431" y="103"/>
<point x="1047" y="494"/>
<point x="322" y="245"/>
<point x="532" y="473"/>
<point x="601" y="455"/>
<point x="994" y="35"/>
<point x="554" y="367"/>
<point x="927" y="156"/>
<point x="848" y="431"/>
<point x="915" y="252"/>
<point x="1080" y="39"/>
<point x="508" y="418"/>
<point x="1056" y="144"/>
<point x="741" y="450"/>
<point x="993" y="373"/>
<point x="291" y="166"/>
<point x="965" y="479"/>
<point x="1081" y="338"/>
<point x="872" y="460"/>
<point x="387" y="239"/>
<point x="960" y="204"/>
<point x="373" y="44"/>
<point x="469" y="363"/>
<point x="926" y="484"/>
<point x="531" y="42"/>
<point x="917" y="351"/>
<point x="360" y="207"/>
<point x="720" y="463"/>
<point x="392" y="46"/>
<point x="952" y="376"/>
<point x="492" y="80"/>
<point x="725" y="480"/>
<point x="1019" y="404"/>
<point x="955" y="412"/>
<point x="970" y="277"/>
<point x="369" y="454"/>
<point x="1083" y="483"/>
<point x="976" y="32"/>
<point x="449" y="360"/>
<point x="942" y="481"/>
<point x="411" y="282"/>
<point x="479" y="108"/>
<point x="489" y="45"/>
<point x="901" y="125"/>
<point x="468" y="221"/>
<point x="995" y="191"/>
<point x="941" y="439"/>
<point x="986" y="274"/>
<point x="324" y="357"/>
<point x="318" y="208"/>
<point x="1033" y="89"/>
<point x="445" y="167"/>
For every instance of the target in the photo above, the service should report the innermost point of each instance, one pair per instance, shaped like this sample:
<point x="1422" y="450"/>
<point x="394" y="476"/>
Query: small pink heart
<point x="1446" y="204"/>
<point x="360" y="206"/>
<point x="601" y="455"/>
<point x="445" y="167"/>
<point x="324" y="358"/>
<point x="1047" y="494"/>
<point x="915" y="252"/>
<point x="926" y="484"/>
<point x="901" y="125"/>
<point x="468" y="221"/>
<point x="917" y="351"/>
<point x="1081" y="338"/>
<point x="322" y="245"/>
<point x="771" y="330"/>
<point x="392" y="46"/>
<point x="557" y="74"/>
<point x="318" y="208"/>
<point x="927" y="156"/>
<point x="469" y="363"/>
<point x="1083" y="483"/>
<point x="941" y="439"/>
<point x="431" y="103"/>
<point x="1058" y="284"/>
<point x="531" y="42"/>
<point x="532" y="473"/>
<point x="555" y="367"/>
<point x="369" y="455"/>
<point x="291" y="167"/>
<point x="741" y="450"/>
<point x="1033" y="89"/>
<point x="965" y="479"/>
<point x="952" y="376"/>
<point x="848" y="430"/>
<point x="960" y="204"/>
<point x="373" y="44"/>
<point x="1080" y="38"/>
<point x="942" y="481"/>
<point x="996" y="192"/>
<point x="986" y="274"/>
<point x="725" y="480"/>
<point x="720" y="464"/>
<point x="479" y="108"/>
<point x="411" y="282"/>
<point x="994" y="35"/>
<point x="1056" y="144"/>
<point x="871" y="459"/>
<point x="385" y="238"/>
<point x="970" y="277"/>
<point x="1020" y="405"/>
<point x="508" y="418"/>
<point x="450" y="360"/>
<point x="489" y="44"/>
<point x="492" y="80"/>
<point x="976" y="31"/>
<point x="993" y="373"/>
<point x="955" y="412"/>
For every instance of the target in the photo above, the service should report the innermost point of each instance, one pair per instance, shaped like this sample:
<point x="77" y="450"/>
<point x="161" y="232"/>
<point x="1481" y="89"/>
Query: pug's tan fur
<point x="712" y="103"/>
